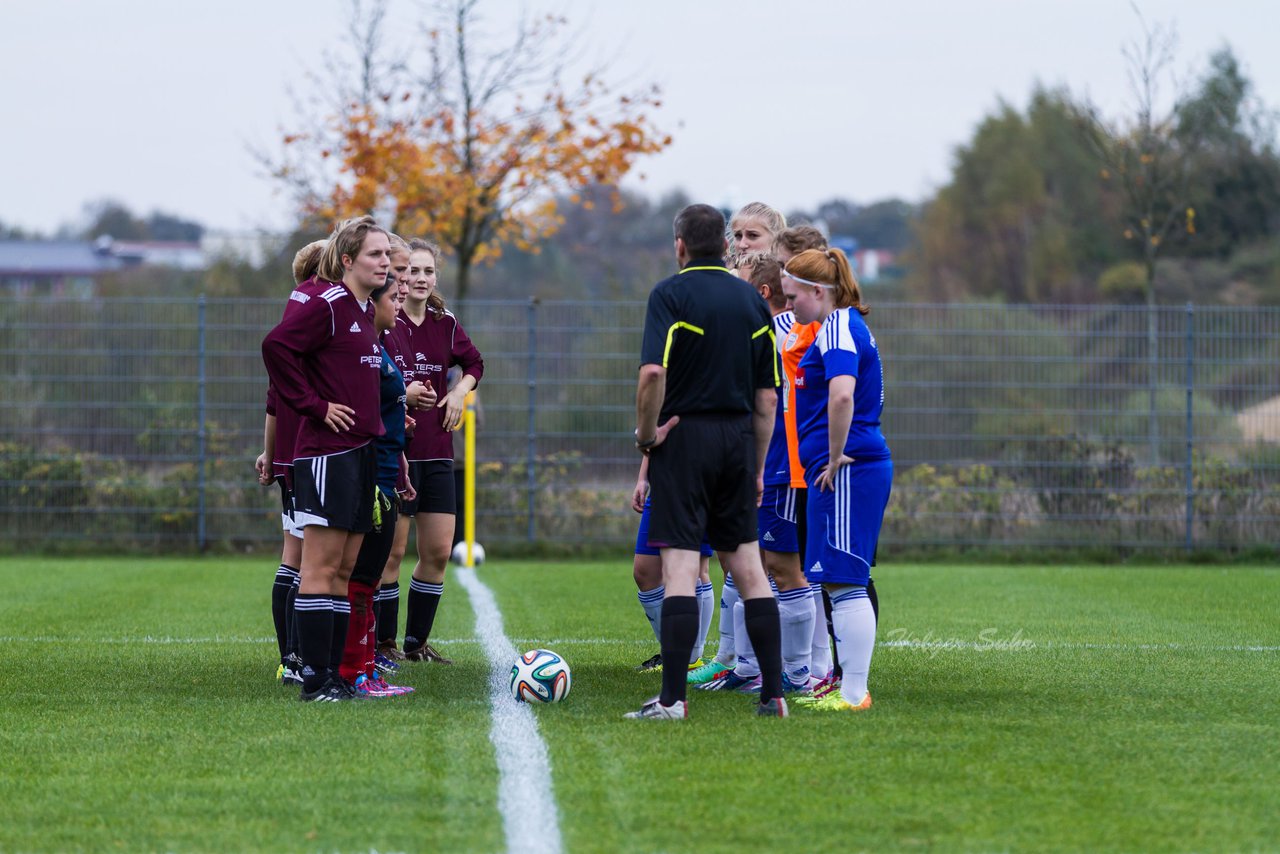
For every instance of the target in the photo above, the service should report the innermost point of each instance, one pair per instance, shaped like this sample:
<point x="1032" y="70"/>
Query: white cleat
<point x="654" y="710"/>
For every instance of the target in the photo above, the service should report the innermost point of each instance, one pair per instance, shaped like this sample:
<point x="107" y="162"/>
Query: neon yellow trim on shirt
<point x="671" y="334"/>
<point x="768" y="330"/>
<point x="691" y="269"/>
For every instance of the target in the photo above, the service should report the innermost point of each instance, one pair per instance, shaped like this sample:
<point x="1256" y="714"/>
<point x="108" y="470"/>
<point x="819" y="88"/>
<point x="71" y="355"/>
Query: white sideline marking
<point x="525" y="797"/>
<point x="1018" y="645"/>
<point x="941" y="645"/>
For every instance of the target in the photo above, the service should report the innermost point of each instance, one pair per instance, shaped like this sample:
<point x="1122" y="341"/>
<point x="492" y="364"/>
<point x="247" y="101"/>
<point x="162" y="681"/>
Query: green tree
<point x="110" y="218"/>
<point x="164" y="226"/>
<point x="1023" y="218"/>
<point x="1235" y="171"/>
<point x="884" y="224"/>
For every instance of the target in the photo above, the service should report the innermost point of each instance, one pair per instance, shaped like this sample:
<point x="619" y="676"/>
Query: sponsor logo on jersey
<point x="423" y="368"/>
<point x="419" y="357"/>
<point x="800" y="378"/>
<point x="299" y="296"/>
<point x="355" y="326"/>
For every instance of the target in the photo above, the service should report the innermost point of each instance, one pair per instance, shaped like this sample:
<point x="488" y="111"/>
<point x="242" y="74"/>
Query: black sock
<point x="280" y="606"/>
<point x="315" y="634"/>
<point x="387" y="609"/>
<point x="875" y="600"/>
<point x="291" y="621"/>
<point x="679" y="632"/>
<point x="420" y="616"/>
<point x="338" y="642"/>
<point x="836" y="672"/>
<point x="765" y="631"/>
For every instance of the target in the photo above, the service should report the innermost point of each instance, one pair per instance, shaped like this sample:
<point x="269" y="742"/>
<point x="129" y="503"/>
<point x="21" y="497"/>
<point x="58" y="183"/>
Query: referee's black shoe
<point x="329" y="692"/>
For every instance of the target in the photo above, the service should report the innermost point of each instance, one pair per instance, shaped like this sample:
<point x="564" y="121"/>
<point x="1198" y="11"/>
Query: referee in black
<point x="708" y="374"/>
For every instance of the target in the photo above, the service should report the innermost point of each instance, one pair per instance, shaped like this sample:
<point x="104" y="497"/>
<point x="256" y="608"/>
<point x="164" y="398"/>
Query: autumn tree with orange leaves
<point x="461" y="141"/>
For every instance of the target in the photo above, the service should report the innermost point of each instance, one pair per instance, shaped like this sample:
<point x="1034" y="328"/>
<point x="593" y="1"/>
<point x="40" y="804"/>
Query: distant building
<point x="1260" y="423"/>
<point x="158" y="253"/>
<point x="53" y="267"/>
<point x="34" y="268"/>
<point x="254" y="248"/>
<point x="867" y="264"/>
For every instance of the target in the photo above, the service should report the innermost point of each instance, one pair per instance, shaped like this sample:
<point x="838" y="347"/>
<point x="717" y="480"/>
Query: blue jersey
<point x="390" y="444"/>
<point x="844" y="347"/>
<point x="777" y="463"/>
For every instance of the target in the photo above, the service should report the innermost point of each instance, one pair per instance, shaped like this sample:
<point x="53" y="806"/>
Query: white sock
<point x="727" y="654"/>
<point x="706" y="607"/>
<point x="795" y="610"/>
<point x="651" y="601"/>
<point x="746" y="665"/>
<point x="820" y="650"/>
<point x="855" y="625"/>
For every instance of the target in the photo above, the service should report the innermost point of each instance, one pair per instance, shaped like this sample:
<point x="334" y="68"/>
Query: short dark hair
<point x="701" y="227"/>
<point x="383" y="288"/>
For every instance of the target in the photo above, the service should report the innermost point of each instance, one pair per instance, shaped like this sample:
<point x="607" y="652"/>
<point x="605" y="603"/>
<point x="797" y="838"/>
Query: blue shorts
<point x="776" y="519"/>
<point x="642" y="537"/>
<point x="844" y="524"/>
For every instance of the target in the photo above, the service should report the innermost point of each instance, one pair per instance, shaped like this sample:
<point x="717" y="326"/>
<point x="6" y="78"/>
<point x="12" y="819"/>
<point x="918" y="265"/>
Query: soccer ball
<point x="459" y="555"/>
<point x="540" y="676"/>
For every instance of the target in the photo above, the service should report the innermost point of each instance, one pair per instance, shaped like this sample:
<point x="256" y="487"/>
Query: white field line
<point x="525" y="796"/>
<point x="940" y="645"/>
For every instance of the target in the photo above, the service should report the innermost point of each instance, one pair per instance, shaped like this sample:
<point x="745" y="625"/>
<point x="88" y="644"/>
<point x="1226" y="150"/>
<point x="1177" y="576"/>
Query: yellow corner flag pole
<point x="469" y="476"/>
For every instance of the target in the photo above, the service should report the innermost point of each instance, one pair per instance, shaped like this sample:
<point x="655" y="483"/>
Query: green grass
<point x="1022" y="708"/>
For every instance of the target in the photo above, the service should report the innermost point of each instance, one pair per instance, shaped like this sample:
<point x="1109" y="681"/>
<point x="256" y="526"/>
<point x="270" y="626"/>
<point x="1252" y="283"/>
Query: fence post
<point x="201" y="434"/>
<point x="530" y="462"/>
<point x="1191" y="506"/>
<point x="1153" y="378"/>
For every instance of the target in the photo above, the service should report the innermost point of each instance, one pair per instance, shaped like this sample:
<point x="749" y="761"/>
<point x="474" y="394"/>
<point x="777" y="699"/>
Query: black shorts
<point x="336" y="491"/>
<point x="433" y="479"/>
<point x="703" y="479"/>
<point x="376" y="547"/>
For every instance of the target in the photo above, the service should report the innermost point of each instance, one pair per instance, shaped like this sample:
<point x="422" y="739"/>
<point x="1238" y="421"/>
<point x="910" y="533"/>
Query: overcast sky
<point x="156" y="103"/>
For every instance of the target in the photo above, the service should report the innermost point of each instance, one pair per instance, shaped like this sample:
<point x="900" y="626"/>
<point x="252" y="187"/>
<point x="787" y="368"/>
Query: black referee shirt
<point x="713" y="334"/>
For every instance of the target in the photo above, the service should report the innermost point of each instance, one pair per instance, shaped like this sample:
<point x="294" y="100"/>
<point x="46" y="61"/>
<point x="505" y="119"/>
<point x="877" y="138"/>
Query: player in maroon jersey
<point x="275" y="463"/>
<point x="436" y="342"/>
<point x="324" y="359"/>
<point x="417" y="396"/>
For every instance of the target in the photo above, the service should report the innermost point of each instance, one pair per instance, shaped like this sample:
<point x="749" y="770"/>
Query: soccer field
<point x="1016" y="708"/>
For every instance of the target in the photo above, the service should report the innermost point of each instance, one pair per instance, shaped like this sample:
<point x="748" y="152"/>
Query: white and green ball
<point x="540" y="676"/>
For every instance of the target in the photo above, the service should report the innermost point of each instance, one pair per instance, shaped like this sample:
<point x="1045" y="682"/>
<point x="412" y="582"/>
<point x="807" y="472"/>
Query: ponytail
<point x="830" y="267"/>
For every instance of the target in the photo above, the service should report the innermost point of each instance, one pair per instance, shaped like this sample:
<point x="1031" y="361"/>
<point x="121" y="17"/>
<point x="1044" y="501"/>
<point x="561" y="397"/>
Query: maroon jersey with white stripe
<point x="325" y="350"/>
<point x="431" y="348"/>
<point x="286" y="431"/>
<point x="396" y="340"/>
<point x="287" y="419"/>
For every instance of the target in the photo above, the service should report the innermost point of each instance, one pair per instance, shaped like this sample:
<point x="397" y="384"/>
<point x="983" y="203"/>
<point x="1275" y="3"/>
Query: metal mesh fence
<point x="133" y="424"/>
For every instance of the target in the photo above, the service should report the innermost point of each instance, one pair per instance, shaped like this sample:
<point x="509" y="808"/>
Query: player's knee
<point x="647" y="571"/>
<point x="434" y="554"/>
